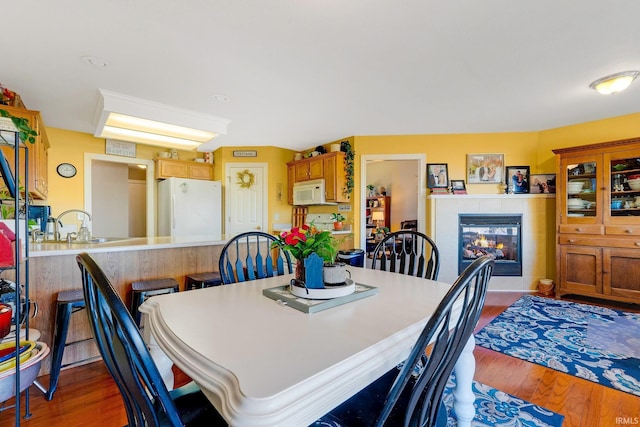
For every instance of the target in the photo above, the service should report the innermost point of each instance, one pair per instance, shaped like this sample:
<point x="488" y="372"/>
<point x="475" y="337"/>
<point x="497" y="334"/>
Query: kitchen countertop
<point x="130" y="244"/>
<point x="127" y="244"/>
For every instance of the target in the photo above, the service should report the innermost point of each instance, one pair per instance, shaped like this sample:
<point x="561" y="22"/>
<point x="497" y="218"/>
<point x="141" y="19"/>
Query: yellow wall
<point x="521" y="148"/>
<point x="277" y="159"/>
<point x="69" y="147"/>
<point x="612" y="129"/>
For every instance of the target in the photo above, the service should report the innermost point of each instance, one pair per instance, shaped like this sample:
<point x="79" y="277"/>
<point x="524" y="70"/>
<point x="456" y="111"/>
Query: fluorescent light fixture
<point x="132" y="119"/>
<point x="614" y="83"/>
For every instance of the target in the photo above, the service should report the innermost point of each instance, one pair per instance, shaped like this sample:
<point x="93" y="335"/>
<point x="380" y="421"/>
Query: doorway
<point x="413" y="176"/>
<point x="99" y="195"/>
<point x="245" y="202"/>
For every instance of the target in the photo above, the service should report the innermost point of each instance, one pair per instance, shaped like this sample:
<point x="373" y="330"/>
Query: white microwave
<point x="310" y="193"/>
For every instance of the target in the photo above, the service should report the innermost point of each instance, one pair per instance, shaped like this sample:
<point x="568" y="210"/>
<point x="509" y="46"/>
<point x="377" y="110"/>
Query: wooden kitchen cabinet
<point x="598" y="220"/>
<point x="167" y="168"/>
<point x="329" y="166"/>
<point x="38" y="154"/>
<point x="311" y="168"/>
<point x="291" y="179"/>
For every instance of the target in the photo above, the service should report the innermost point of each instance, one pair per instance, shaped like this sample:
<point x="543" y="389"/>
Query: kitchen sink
<point x="106" y="239"/>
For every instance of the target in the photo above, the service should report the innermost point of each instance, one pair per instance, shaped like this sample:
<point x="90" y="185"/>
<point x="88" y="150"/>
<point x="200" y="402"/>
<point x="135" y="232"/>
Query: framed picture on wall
<point x="437" y="175"/>
<point x="542" y="183"/>
<point x="458" y="187"/>
<point x="485" y="168"/>
<point x="518" y="179"/>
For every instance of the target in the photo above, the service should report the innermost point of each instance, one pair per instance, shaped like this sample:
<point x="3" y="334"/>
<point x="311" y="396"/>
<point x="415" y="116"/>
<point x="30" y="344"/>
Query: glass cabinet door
<point x="581" y="183"/>
<point x="622" y="178"/>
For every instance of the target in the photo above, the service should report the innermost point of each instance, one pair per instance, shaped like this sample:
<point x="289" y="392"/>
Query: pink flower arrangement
<point x="303" y="241"/>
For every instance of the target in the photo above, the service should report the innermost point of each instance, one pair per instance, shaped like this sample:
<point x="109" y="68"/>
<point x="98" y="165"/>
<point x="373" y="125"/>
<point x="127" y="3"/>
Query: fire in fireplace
<point x="497" y="235"/>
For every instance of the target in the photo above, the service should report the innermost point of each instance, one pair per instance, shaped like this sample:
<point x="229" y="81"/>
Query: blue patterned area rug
<point x="494" y="408"/>
<point x="497" y="408"/>
<point x="595" y="343"/>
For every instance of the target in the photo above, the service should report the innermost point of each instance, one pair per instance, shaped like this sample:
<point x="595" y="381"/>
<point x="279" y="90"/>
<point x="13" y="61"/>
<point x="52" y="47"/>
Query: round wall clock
<point x="66" y="170"/>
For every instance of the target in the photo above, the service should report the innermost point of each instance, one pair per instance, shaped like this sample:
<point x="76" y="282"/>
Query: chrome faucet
<point x="56" y="231"/>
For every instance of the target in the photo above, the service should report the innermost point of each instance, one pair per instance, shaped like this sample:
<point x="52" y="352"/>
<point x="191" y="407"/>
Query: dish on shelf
<point x="28" y="372"/>
<point x="334" y="291"/>
<point x="634" y="184"/>
<point x="575" y="186"/>
<point x="575" y="215"/>
<point x="8" y="359"/>
<point x="576" y="203"/>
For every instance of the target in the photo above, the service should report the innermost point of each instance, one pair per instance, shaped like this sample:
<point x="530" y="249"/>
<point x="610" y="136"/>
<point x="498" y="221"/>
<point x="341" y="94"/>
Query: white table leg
<point x="463" y="394"/>
<point x="163" y="363"/>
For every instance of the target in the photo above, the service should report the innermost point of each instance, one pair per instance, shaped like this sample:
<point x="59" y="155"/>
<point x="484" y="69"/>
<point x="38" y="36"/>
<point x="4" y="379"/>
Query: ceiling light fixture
<point x="614" y="83"/>
<point x="132" y="119"/>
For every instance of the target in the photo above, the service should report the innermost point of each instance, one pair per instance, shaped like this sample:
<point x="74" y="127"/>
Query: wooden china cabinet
<point x="598" y="220"/>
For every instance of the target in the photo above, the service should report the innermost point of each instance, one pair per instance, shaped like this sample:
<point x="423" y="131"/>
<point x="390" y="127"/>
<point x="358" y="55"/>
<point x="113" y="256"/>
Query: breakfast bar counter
<point x="118" y="245"/>
<point x="53" y="268"/>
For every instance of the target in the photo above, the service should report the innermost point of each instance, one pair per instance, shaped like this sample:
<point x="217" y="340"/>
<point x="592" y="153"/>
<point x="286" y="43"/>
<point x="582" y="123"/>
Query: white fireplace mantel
<point x="538" y="231"/>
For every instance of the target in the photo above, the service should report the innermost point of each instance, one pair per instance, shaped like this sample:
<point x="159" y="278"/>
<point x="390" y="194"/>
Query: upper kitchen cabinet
<point x="167" y="168"/>
<point x="307" y="169"/>
<point x="291" y="179"/>
<point x="38" y="154"/>
<point x="334" y="177"/>
<point x="329" y="166"/>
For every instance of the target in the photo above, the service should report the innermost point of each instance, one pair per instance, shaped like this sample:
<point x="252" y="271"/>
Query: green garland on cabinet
<point x="345" y="146"/>
<point x="26" y="133"/>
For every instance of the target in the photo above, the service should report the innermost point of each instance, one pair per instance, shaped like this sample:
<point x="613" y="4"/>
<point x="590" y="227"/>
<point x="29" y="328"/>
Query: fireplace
<point x="497" y="235"/>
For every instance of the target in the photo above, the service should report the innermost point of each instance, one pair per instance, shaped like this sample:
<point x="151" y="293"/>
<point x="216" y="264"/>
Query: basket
<point x="28" y="372"/>
<point x="545" y="287"/>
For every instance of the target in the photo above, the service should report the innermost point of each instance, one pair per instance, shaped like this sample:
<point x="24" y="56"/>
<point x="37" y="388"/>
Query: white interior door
<point x="245" y="197"/>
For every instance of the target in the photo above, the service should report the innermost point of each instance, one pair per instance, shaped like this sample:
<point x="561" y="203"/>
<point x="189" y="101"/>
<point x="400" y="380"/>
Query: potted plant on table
<point x="304" y="242"/>
<point x="337" y="218"/>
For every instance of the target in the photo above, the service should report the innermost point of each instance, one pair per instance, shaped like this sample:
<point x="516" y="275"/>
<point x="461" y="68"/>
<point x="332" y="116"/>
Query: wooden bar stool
<point x="202" y="280"/>
<point x="143" y="289"/>
<point x="68" y="302"/>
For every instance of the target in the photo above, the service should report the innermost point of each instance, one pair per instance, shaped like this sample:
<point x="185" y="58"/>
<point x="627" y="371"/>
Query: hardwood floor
<point x="87" y="396"/>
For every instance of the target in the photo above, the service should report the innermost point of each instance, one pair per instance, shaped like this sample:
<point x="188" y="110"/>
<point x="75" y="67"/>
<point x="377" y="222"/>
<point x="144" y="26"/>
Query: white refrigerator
<point x="190" y="208"/>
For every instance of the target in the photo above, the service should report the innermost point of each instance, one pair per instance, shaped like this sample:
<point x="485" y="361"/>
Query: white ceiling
<point x="299" y="73"/>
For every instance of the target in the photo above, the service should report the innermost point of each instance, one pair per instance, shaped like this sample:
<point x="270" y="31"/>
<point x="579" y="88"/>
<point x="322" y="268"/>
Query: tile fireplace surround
<point x="538" y="233"/>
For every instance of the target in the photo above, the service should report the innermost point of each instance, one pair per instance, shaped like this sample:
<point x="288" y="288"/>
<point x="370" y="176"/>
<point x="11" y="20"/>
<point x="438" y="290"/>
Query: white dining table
<point x="262" y="363"/>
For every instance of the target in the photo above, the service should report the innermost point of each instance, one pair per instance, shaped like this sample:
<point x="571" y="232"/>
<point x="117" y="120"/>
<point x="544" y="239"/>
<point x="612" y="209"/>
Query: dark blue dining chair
<point x="407" y="252"/>
<point x="249" y="256"/>
<point x="411" y="395"/>
<point x="147" y="401"/>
